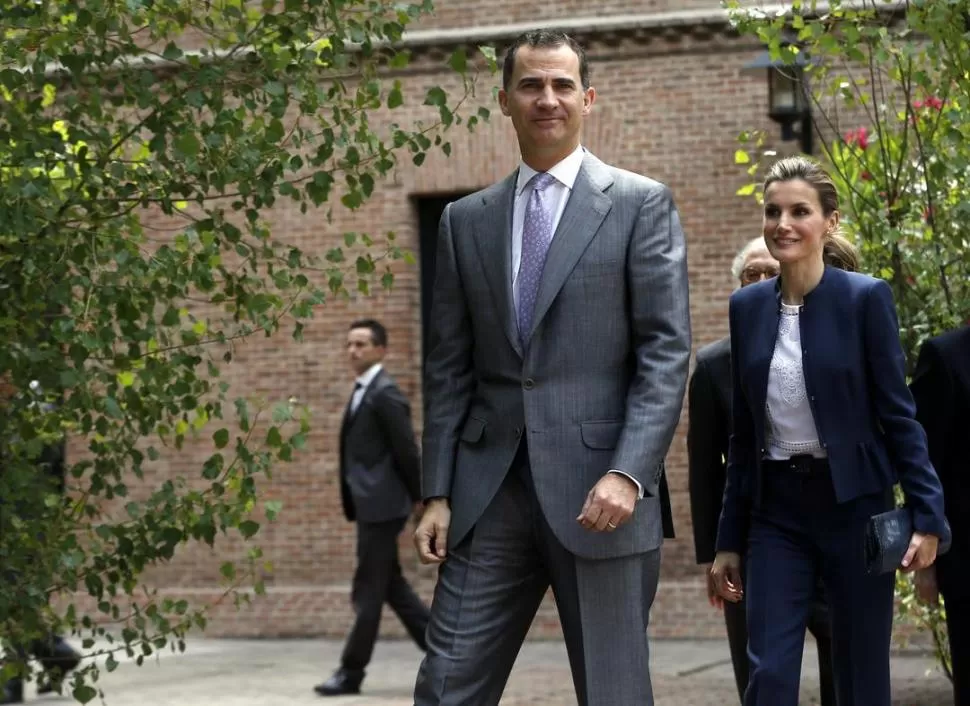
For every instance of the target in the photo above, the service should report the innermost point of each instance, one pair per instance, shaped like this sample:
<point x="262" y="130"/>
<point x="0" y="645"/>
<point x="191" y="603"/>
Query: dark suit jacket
<point x="708" y="433"/>
<point x="941" y="387"/>
<point x="380" y="468"/>
<point x="856" y="382"/>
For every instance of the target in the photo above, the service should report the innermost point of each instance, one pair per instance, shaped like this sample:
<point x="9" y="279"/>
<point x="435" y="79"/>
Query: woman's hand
<point x="726" y="574"/>
<point x="921" y="553"/>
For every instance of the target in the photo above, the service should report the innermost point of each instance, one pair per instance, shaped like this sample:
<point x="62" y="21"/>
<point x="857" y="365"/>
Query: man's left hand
<point x="609" y="504"/>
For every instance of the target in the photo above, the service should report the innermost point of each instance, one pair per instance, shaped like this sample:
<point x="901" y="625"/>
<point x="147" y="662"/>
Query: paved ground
<point x="282" y="672"/>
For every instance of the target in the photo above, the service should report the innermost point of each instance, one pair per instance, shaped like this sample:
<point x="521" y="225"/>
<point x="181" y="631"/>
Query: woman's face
<point x="794" y="225"/>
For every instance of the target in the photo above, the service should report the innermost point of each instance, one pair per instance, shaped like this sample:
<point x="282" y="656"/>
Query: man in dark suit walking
<point x="709" y="411"/>
<point x="555" y="376"/>
<point x="379" y="484"/>
<point x="941" y="388"/>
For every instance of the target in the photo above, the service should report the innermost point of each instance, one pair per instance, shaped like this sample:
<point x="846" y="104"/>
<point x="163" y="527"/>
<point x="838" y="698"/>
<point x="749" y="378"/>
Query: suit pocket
<point x="473" y="430"/>
<point x="601" y="435"/>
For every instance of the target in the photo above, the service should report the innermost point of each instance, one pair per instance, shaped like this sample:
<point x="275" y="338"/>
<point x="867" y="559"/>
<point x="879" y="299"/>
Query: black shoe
<point x="343" y="681"/>
<point x="13" y="692"/>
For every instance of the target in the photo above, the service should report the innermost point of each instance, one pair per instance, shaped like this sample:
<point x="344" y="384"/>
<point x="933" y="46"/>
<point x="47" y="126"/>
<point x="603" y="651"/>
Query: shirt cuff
<point x="635" y="481"/>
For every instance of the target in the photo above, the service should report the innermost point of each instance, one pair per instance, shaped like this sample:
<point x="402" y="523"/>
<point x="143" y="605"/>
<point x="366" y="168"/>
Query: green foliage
<point x="135" y="252"/>
<point x="892" y="102"/>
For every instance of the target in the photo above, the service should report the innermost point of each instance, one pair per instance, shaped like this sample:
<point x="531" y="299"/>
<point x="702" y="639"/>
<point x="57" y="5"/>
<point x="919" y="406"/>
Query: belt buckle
<point x="802" y="464"/>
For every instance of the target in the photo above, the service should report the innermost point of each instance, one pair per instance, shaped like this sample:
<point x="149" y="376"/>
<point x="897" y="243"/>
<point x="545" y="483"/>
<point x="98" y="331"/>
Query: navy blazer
<point x="856" y="383"/>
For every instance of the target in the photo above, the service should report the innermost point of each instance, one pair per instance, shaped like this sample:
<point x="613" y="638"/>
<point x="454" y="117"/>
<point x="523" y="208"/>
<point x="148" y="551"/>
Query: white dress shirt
<point x="557" y="194"/>
<point x="361" y="384"/>
<point x="791" y="426"/>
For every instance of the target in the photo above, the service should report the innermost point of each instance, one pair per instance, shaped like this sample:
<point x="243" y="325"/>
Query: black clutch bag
<point x="887" y="539"/>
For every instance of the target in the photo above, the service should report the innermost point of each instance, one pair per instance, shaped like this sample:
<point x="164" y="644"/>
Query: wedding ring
<point x="611" y="525"/>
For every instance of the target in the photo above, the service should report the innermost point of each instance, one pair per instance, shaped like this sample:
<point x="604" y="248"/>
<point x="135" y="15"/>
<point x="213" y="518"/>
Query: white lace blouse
<point x="791" y="426"/>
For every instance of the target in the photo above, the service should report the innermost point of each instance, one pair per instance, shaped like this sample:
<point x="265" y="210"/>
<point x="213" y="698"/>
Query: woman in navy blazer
<point x="824" y="426"/>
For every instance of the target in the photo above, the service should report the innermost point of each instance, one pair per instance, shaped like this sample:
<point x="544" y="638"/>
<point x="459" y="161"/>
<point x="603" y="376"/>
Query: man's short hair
<point x="738" y="265"/>
<point x="544" y="39"/>
<point x="378" y="334"/>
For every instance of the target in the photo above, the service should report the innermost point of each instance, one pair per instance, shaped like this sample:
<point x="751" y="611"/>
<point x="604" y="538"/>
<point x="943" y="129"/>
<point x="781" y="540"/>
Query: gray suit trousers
<point x="490" y="587"/>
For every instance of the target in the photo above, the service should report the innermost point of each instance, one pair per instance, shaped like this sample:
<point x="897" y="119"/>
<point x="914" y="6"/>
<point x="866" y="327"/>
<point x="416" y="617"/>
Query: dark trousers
<point x="490" y="587"/>
<point x="735" y="619"/>
<point x="377" y="580"/>
<point x="798" y="534"/>
<point x="958" y="627"/>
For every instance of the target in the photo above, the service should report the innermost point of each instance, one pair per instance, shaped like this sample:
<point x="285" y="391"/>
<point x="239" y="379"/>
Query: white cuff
<point x="635" y="481"/>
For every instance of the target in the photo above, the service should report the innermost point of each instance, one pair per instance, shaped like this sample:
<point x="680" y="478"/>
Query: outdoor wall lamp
<point x="789" y="103"/>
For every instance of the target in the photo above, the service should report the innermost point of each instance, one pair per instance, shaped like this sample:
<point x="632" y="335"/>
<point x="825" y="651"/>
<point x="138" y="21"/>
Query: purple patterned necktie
<point x="536" y="237"/>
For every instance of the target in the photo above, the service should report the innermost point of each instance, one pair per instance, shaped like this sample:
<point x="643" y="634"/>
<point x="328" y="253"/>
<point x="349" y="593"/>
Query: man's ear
<point x="503" y="101"/>
<point x="589" y="97"/>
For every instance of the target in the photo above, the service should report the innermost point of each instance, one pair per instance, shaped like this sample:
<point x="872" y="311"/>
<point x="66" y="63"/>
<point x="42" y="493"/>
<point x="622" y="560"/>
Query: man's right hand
<point x="431" y="535"/>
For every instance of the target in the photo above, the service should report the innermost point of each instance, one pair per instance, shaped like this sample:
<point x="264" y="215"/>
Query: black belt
<point x="802" y="463"/>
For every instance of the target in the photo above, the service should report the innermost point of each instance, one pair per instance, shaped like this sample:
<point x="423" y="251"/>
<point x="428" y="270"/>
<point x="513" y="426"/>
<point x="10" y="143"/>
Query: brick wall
<point x="668" y="109"/>
<point x="471" y="13"/>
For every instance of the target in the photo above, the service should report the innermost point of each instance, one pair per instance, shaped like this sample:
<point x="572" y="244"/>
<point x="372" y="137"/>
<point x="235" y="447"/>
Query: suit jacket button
<point x="529" y="383"/>
<point x="518" y="432"/>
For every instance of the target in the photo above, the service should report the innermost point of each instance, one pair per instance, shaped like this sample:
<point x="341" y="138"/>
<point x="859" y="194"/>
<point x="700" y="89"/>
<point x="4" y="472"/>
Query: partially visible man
<point x="708" y="431"/>
<point x="56" y="656"/>
<point x="380" y="480"/>
<point x="558" y="359"/>
<point x="941" y="388"/>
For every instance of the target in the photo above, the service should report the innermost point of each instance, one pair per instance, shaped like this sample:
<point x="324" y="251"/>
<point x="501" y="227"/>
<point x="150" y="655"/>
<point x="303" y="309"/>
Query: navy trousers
<point x="798" y="534"/>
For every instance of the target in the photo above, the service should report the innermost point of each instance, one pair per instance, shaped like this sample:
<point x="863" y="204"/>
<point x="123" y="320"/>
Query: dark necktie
<point x="351" y="407"/>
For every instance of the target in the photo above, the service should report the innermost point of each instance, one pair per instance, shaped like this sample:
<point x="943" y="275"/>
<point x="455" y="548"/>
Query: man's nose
<point x="547" y="97"/>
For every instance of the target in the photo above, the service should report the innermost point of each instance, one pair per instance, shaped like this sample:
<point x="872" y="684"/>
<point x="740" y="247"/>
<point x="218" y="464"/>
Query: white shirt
<point x="791" y="426"/>
<point x="361" y="384"/>
<point x="557" y="194"/>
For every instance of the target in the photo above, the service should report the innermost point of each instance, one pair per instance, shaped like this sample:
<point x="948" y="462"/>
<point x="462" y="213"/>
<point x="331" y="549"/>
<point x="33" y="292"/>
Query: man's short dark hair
<point x="378" y="334"/>
<point x="544" y="39"/>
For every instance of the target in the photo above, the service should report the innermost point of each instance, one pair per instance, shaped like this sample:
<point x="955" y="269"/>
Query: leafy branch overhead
<point x="142" y="146"/>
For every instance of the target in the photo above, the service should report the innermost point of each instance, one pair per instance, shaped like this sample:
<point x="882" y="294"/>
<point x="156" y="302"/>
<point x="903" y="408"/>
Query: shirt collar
<point x="368" y="377"/>
<point x="565" y="172"/>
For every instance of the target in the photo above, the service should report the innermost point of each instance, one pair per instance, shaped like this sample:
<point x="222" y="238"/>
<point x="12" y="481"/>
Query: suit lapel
<point x="493" y="238"/>
<point x="584" y="213"/>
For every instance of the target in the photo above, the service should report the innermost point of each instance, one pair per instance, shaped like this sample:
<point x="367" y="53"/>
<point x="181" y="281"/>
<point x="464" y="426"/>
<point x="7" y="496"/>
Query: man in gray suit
<point x="380" y="473"/>
<point x="554" y="380"/>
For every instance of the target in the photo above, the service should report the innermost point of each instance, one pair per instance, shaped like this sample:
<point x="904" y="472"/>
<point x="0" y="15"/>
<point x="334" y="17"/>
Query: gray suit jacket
<point x="602" y="382"/>
<point x="380" y="467"/>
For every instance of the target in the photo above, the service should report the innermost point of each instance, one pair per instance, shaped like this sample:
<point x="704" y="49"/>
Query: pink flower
<point x="858" y="138"/>
<point x="931" y="102"/>
<point x="866" y="176"/>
